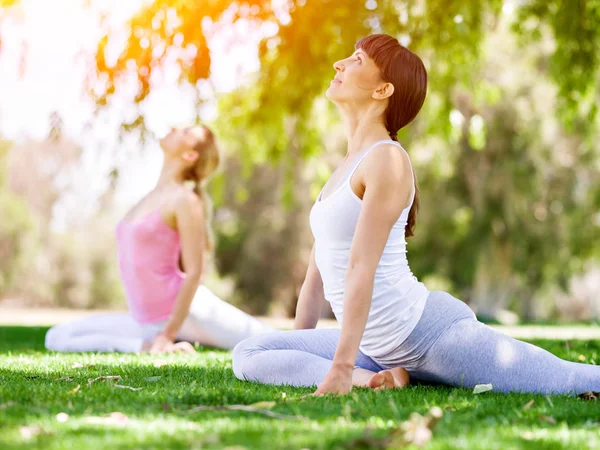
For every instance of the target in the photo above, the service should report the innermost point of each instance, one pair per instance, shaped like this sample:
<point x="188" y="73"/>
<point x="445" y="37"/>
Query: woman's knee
<point x="54" y="338"/>
<point x="239" y="359"/>
<point x="243" y="353"/>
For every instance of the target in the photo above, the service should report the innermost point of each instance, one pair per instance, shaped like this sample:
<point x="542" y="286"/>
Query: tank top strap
<point x="366" y="152"/>
<point x="364" y="155"/>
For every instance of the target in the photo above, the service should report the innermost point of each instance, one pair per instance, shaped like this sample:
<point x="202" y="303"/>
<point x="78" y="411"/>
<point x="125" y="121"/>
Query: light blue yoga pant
<point x="448" y="346"/>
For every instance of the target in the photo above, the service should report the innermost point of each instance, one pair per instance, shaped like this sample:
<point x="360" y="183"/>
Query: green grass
<point x="31" y="396"/>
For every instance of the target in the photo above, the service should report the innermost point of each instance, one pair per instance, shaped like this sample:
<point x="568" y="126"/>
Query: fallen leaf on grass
<point x="152" y="379"/>
<point x="213" y="440"/>
<point x="527" y="435"/>
<point x="104" y="378"/>
<point x="482" y="388"/>
<point x="128" y="387"/>
<point x="30" y="431"/>
<point x="548" y="419"/>
<point x="113" y="418"/>
<point x="589" y="395"/>
<point x="263" y="405"/>
<point x="65" y="379"/>
<point x="529" y="404"/>
<point x="74" y="391"/>
<point x="62" y="417"/>
<point x="417" y="431"/>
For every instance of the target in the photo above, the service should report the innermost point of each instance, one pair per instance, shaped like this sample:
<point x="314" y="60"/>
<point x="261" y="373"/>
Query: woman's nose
<point x="338" y="66"/>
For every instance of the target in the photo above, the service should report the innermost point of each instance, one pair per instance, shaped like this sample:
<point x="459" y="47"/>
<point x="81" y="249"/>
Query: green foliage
<point x="505" y="147"/>
<point x="574" y="62"/>
<point x="17" y="240"/>
<point x="508" y="206"/>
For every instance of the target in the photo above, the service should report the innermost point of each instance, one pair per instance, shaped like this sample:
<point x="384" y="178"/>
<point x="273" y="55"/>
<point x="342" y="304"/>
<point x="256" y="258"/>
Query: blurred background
<point x="505" y="150"/>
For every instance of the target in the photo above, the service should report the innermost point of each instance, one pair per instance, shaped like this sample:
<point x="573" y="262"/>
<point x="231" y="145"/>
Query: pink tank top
<point x="148" y="252"/>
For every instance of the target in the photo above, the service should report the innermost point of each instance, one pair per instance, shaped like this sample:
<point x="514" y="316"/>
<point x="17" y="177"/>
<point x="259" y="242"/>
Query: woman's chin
<point x="330" y="94"/>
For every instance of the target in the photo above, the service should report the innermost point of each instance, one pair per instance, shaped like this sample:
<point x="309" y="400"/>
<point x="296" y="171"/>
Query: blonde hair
<point x="207" y="163"/>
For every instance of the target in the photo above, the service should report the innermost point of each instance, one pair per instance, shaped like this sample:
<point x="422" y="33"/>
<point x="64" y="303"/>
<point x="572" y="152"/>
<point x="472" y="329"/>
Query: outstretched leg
<point x="470" y="353"/>
<point x="101" y="333"/>
<point x="296" y="358"/>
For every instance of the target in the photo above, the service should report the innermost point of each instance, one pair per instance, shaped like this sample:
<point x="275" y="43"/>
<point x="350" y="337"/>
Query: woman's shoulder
<point x="185" y="200"/>
<point x="387" y="158"/>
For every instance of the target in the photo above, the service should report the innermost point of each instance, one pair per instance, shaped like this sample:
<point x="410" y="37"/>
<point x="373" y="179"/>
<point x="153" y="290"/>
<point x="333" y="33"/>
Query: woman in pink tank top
<point x="162" y="246"/>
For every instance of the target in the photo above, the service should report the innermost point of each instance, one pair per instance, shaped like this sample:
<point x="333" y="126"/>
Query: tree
<point x="518" y="198"/>
<point x="502" y="223"/>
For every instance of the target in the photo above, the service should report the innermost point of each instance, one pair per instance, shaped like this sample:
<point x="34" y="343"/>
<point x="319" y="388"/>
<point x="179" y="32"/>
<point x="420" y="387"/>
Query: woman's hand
<point x="338" y="381"/>
<point x="161" y="344"/>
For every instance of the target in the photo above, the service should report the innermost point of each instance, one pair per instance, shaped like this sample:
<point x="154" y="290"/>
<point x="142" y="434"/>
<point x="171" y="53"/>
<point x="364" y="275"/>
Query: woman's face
<point x="356" y="79"/>
<point x="181" y="140"/>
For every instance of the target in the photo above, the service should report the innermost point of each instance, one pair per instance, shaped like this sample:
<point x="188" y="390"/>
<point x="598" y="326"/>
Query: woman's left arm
<point x="388" y="185"/>
<point x="190" y="224"/>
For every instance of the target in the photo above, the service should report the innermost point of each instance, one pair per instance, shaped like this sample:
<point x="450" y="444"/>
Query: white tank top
<point x="398" y="297"/>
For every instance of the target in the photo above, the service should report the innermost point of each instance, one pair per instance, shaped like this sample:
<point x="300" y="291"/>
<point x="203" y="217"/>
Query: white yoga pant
<point x="211" y="322"/>
<point x="448" y="346"/>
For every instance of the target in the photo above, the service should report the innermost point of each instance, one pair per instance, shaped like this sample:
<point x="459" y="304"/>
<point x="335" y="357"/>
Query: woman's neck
<point x="169" y="176"/>
<point x="363" y="127"/>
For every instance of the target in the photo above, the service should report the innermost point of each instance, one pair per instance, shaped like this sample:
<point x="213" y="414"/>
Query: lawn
<point x="56" y="401"/>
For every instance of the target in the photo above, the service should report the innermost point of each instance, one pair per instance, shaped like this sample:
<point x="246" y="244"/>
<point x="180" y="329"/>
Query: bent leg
<point x="102" y="333"/>
<point x="214" y="322"/>
<point x="470" y="353"/>
<point x="296" y="358"/>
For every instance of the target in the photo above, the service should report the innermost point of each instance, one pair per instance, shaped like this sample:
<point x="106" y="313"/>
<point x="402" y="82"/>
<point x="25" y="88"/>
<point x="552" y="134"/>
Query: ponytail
<point x="199" y="190"/>
<point x="207" y="163"/>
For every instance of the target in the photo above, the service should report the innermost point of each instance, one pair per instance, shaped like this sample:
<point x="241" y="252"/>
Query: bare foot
<point x="389" y="379"/>
<point x="179" y="347"/>
<point x="146" y="346"/>
<point x="183" y="347"/>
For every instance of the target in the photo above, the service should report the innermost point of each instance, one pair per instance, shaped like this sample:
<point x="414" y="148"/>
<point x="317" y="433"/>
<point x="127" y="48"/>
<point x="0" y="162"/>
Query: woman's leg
<point x="296" y="358"/>
<point x="216" y="323"/>
<point x="470" y="353"/>
<point x="103" y="333"/>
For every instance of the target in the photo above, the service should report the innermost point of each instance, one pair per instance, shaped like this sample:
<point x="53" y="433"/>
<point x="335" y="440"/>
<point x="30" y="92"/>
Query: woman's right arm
<point x="311" y="298"/>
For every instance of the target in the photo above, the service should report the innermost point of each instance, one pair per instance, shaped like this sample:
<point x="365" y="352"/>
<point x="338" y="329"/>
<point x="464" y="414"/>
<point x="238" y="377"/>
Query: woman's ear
<point x="190" y="156"/>
<point x="384" y="91"/>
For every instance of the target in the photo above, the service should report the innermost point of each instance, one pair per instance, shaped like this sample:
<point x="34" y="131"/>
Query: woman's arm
<point x="311" y="298"/>
<point x="388" y="185"/>
<point x="189" y="215"/>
